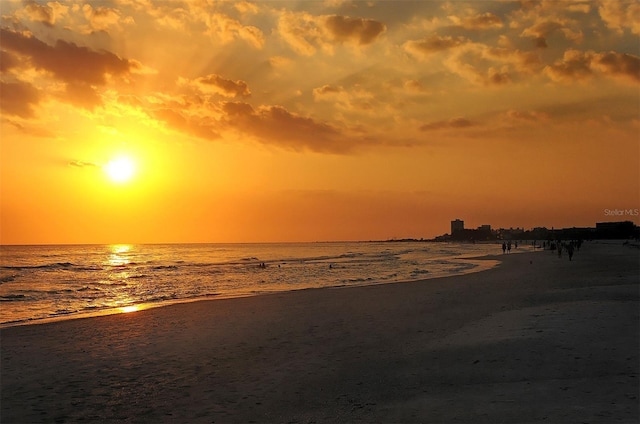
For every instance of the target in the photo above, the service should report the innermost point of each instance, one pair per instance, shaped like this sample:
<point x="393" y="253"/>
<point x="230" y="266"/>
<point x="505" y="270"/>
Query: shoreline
<point x="212" y="297"/>
<point x="535" y="339"/>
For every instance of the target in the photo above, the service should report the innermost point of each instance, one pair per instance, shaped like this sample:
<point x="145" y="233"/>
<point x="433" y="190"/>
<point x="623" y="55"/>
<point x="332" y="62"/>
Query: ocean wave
<point x="13" y="297"/>
<point x="7" y="278"/>
<point x="357" y="280"/>
<point x="55" y="265"/>
<point x="88" y="288"/>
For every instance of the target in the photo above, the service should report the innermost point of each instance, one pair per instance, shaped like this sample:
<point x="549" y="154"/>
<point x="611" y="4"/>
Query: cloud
<point x="356" y="30"/>
<point x="80" y="68"/>
<point x="245" y="7"/>
<point x="47" y="14"/>
<point x="83" y="164"/>
<point x="433" y="44"/>
<point x="227" y="29"/>
<point x="67" y="61"/>
<point x="415" y="87"/>
<point x="475" y="62"/>
<point x="276" y="126"/>
<point x="213" y="83"/>
<point x="327" y="91"/>
<point x="355" y="99"/>
<point x="102" y="18"/>
<point x="300" y="31"/>
<point x="181" y="121"/>
<point x="478" y="22"/>
<point x="18" y="99"/>
<point x="485" y="65"/>
<point x="544" y="29"/>
<point x="620" y="15"/>
<point x="526" y="116"/>
<point x="450" y="124"/>
<point x="576" y="65"/>
<point x="305" y="33"/>
<point x="527" y="62"/>
<point x="622" y="65"/>
<point x="269" y="125"/>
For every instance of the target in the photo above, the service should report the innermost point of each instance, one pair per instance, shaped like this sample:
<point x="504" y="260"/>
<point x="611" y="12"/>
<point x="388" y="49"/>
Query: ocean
<point x="50" y="282"/>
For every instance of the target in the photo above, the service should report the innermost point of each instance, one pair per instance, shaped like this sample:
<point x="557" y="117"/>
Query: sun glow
<point x="120" y="170"/>
<point x="129" y="309"/>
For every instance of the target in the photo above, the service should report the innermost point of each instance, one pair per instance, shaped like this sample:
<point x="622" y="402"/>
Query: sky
<point x="142" y="121"/>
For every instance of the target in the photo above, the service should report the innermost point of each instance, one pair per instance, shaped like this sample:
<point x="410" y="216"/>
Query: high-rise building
<point x="457" y="226"/>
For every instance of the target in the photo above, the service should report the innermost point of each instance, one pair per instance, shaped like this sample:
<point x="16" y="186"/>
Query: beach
<point x="536" y="339"/>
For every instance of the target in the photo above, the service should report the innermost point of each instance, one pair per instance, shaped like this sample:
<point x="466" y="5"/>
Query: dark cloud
<point x="327" y="90"/>
<point x="361" y="31"/>
<point x="224" y="86"/>
<point x="18" y="99"/>
<point x="496" y="77"/>
<point x="576" y="65"/>
<point x="81" y="68"/>
<point x="618" y="64"/>
<point x="543" y="29"/>
<point x="276" y="125"/>
<point x="540" y="42"/>
<point x="433" y="44"/>
<point x="67" y="61"/>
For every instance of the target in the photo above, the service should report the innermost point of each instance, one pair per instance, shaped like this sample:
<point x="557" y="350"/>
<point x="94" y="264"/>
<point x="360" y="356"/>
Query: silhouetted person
<point x="509" y="247"/>
<point x="504" y="247"/>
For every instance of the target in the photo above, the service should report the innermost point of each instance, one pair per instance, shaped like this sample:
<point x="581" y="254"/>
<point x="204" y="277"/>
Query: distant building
<point x="615" y="230"/>
<point x="457" y="227"/>
<point x="483" y="233"/>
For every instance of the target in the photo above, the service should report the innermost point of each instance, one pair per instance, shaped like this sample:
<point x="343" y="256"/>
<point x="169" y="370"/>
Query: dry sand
<point x="537" y="339"/>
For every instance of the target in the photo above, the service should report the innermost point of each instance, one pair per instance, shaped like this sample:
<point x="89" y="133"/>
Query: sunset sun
<point x="120" y="170"/>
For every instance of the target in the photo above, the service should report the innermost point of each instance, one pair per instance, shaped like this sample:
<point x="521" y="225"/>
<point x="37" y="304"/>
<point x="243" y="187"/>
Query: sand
<point x="536" y="339"/>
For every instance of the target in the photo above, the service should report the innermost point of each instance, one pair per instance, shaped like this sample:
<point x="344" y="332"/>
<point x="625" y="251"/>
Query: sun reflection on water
<point x="118" y="255"/>
<point x="128" y="309"/>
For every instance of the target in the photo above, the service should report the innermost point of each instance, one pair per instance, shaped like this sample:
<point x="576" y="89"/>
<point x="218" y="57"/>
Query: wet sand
<point x="537" y="339"/>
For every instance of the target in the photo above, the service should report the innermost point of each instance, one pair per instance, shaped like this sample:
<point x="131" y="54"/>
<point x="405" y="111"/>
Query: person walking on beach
<point x="509" y="247"/>
<point x="504" y="247"/>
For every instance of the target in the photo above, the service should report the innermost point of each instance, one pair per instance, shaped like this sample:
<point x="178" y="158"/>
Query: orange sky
<point x="314" y="120"/>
